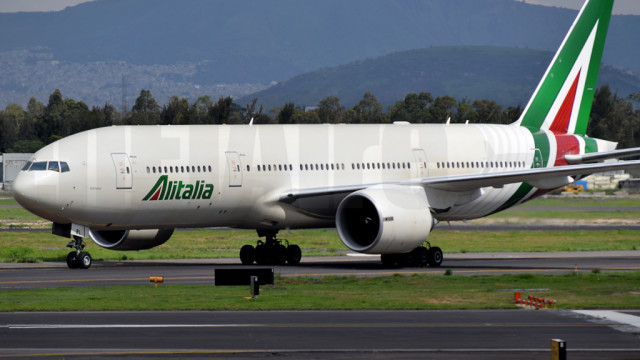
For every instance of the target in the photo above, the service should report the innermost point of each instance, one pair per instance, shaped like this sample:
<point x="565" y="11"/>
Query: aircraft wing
<point x="542" y="178"/>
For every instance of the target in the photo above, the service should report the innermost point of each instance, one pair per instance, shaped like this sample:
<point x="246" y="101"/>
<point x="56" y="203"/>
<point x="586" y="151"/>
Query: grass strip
<point x="212" y="244"/>
<point x="575" y="291"/>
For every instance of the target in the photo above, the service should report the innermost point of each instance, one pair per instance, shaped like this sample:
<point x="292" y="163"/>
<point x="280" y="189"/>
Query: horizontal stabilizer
<point x="593" y="157"/>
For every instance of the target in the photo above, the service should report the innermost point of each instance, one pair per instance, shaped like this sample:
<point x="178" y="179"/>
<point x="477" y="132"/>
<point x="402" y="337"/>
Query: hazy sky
<point x="621" y="6"/>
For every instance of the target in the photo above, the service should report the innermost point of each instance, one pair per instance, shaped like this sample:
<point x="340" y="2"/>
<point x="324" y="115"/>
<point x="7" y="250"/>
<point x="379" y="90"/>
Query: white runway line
<point x="611" y="315"/>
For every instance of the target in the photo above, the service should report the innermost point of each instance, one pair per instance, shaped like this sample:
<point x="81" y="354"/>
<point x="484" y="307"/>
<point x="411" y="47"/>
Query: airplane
<point x="384" y="187"/>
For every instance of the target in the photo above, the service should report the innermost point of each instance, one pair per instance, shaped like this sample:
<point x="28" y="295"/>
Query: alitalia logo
<point x="177" y="190"/>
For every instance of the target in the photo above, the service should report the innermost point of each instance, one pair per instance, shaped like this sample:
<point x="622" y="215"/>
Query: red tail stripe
<point x="561" y="122"/>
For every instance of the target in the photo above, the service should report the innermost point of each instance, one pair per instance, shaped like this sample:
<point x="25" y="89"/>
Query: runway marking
<point x="616" y="316"/>
<point x="145" y="279"/>
<point x="304" y="326"/>
<point x="108" y="352"/>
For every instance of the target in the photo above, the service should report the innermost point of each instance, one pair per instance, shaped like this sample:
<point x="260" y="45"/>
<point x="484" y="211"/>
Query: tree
<point x="443" y="108"/>
<point x="199" y="111"/>
<point x="176" y="112"/>
<point x="145" y="111"/>
<point x="285" y="114"/>
<point x="10" y="120"/>
<point x="368" y="110"/>
<point x="414" y="108"/>
<point x="330" y="110"/>
<point x="488" y="111"/>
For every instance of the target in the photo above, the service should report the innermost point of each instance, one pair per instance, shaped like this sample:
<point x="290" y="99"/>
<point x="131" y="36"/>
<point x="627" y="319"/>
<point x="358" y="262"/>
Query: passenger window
<point x="53" y="166"/>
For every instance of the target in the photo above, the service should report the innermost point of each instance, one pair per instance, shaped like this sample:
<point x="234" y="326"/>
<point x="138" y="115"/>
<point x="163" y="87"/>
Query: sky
<point x="620" y="7"/>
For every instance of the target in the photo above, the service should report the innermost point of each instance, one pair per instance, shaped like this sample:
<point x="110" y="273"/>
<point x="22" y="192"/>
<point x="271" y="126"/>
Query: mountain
<point x="220" y="47"/>
<point x="506" y="75"/>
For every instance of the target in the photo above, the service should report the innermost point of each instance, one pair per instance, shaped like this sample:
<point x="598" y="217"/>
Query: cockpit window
<point x="38" y="166"/>
<point x="54" y="166"/>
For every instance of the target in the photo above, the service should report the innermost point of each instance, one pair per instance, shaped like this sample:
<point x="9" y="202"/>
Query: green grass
<point x="577" y="201"/>
<point x="210" y="244"/>
<point x="552" y="214"/>
<point x="575" y="291"/>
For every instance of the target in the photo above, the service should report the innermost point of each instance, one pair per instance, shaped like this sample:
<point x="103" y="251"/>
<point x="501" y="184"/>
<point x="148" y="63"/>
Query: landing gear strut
<point x="271" y="251"/>
<point x="78" y="259"/>
<point x="419" y="257"/>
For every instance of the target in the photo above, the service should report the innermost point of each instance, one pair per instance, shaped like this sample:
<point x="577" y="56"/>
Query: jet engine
<point x="385" y="219"/>
<point x="130" y="239"/>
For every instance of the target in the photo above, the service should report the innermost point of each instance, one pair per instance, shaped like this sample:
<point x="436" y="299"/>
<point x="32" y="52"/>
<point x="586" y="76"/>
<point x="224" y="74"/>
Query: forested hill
<point x="261" y="41"/>
<point x="505" y="75"/>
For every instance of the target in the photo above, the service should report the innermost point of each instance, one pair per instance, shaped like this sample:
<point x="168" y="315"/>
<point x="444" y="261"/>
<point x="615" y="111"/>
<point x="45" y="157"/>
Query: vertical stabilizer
<point x="562" y="101"/>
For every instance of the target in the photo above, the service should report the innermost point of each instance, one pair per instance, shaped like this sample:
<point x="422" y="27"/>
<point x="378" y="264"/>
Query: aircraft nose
<point x="25" y="191"/>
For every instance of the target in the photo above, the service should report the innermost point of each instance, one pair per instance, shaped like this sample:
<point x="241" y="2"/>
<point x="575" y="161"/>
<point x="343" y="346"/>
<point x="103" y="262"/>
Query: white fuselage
<point x="243" y="171"/>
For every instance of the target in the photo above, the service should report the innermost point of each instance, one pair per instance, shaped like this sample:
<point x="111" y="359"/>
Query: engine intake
<point x="130" y="239"/>
<point x="385" y="219"/>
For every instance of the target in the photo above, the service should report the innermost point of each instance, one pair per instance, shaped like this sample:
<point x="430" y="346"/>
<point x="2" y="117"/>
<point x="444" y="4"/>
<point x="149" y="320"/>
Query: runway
<point x="105" y="273"/>
<point x="470" y="334"/>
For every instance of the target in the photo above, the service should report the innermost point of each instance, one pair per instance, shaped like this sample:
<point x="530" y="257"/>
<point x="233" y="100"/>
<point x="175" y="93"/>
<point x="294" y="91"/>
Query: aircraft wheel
<point x="262" y="256"/>
<point x="420" y="256"/>
<point x="72" y="260"/>
<point x="406" y="260"/>
<point x="84" y="260"/>
<point x="389" y="260"/>
<point x="247" y="255"/>
<point x="434" y="255"/>
<point x="294" y="254"/>
<point x="280" y="254"/>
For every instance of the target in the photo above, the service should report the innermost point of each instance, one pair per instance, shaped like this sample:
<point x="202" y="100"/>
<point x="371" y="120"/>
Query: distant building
<point x="11" y="165"/>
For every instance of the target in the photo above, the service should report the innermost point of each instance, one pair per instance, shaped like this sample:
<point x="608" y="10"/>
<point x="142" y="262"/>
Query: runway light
<point x="156" y="280"/>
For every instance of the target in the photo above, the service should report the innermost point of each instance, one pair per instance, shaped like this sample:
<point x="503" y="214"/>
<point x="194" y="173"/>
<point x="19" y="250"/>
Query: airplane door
<point x="420" y="158"/>
<point x="235" y="169"/>
<point x="124" y="173"/>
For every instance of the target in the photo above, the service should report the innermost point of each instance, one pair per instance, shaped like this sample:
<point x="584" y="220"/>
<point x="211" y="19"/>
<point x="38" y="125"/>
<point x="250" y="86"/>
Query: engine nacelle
<point x="386" y="219"/>
<point x="130" y="239"/>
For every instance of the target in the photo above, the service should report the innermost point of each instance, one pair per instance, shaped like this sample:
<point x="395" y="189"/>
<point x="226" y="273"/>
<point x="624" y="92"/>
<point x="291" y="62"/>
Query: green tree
<point x="176" y="112"/>
<point x="145" y="111"/>
<point x="10" y="120"/>
<point x="199" y="111"/>
<point x="330" y="110"/>
<point x="443" y="107"/>
<point x="285" y="115"/>
<point x="368" y="110"/>
<point x="414" y="108"/>
<point x="488" y="111"/>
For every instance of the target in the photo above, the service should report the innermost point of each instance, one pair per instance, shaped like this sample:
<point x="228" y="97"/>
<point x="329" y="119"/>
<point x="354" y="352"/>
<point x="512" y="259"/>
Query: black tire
<point x="420" y="256"/>
<point x="262" y="256"/>
<point x="247" y="255"/>
<point x="389" y="260"/>
<point x="280" y="254"/>
<point x="72" y="260"/>
<point x="84" y="260"/>
<point x="434" y="256"/>
<point x="406" y="260"/>
<point x="294" y="254"/>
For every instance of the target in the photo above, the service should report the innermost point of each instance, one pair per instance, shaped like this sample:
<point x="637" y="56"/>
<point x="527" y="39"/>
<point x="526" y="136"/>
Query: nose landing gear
<point x="78" y="259"/>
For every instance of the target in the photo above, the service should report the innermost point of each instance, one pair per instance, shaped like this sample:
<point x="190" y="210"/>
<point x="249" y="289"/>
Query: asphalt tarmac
<point x="466" y="334"/>
<point x="105" y="273"/>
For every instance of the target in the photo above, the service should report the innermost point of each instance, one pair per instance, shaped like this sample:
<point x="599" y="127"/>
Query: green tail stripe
<point x="595" y="11"/>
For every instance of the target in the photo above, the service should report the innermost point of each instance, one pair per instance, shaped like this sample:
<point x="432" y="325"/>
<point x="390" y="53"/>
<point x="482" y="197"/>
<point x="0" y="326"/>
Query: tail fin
<point x="562" y="101"/>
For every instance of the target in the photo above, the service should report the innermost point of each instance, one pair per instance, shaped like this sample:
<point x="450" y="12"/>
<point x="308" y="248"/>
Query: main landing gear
<point x="78" y="259"/>
<point x="270" y="252"/>
<point x="419" y="257"/>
